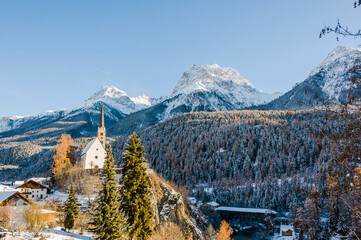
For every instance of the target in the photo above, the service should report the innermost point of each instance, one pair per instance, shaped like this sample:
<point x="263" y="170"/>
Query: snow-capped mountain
<point x="117" y="103"/>
<point x="80" y="120"/>
<point x="329" y="81"/>
<point x="224" y="82"/>
<point x="201" y="88"/>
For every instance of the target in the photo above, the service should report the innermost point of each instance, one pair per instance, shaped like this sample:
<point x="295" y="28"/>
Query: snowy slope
<point x="335" y="68"/>
<point x="329" y="81"/>
<point x="82" y="119"/>
<point x="114" y="99"/>
<point x="224" y="81"/>
<point x="212" y="88"/>
<point x="201" y="88"/>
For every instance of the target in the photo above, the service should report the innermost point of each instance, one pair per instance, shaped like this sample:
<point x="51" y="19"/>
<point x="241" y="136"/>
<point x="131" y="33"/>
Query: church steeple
<point x="101" y="128"/>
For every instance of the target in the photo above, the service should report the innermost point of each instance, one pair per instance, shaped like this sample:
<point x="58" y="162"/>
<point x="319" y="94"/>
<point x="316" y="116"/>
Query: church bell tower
<point x="101" y="128"/>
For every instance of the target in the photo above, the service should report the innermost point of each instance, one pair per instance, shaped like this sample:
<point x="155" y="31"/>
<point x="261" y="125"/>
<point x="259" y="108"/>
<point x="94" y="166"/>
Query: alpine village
<point x="214" y="159"/>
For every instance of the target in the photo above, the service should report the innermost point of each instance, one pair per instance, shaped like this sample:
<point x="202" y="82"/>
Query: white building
<point x="93" y="155"/>
<point x="34" y="190"/>
<point x="4" y="188"/>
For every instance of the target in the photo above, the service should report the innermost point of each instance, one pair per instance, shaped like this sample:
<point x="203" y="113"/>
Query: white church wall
<point x="94" y="156"/>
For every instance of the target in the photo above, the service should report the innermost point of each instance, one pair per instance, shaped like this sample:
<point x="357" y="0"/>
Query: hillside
<point x="244" y="158"/>
<point x="223" y="156"/>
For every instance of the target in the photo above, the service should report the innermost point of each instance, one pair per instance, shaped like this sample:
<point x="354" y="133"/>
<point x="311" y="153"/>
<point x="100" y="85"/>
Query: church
<point x="93" y="155"/>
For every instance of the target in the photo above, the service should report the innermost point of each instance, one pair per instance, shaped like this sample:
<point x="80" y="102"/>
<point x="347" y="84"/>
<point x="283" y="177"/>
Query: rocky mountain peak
<point x="209" y="78"/>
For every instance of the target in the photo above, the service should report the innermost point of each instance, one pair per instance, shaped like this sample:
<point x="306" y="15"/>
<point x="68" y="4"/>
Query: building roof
<point x="246" y="210"/>
<point x="213" y="204"/>
<point x="89" y="145"/>
<point x="6" y="196"/>
<point x="39" y="179"/>
<point x="33" y="185"/>
<point x="5" y="188"/>
<point x="8" y="183"/>
<point x="285" y="228"/>
<point x="18" y="183"/>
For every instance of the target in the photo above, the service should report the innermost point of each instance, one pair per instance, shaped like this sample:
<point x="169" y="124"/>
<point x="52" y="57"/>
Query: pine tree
<point x="135" y="201"/>
<point x="108" y="220"/>
<point x="71" y="208"/>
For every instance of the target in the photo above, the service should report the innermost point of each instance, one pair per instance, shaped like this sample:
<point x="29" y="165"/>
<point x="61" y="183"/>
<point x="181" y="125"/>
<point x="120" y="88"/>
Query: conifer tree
<point x="224" y="232"/>
<point x="71" y="208"/>
<point x="135" y="201"/>
<point x="108" y="220"/>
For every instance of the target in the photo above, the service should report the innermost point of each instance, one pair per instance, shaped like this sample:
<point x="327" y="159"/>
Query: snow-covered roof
<point x="89" y="145"/>
<point x="5" y="195"/>
<point x="6" y="188"/>
<point x="33" y="185"/>
<point x="18" y="182"/>
<point x="285" y="228"/>
<point x="38" y="179"/>
<point x="8" y="183"/>
<point x="47" y="211"/>
<point x="213" y="204"/>
<point x="246" y="210"/>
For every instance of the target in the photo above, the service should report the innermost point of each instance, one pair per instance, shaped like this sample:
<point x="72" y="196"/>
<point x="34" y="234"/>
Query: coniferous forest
<point x="243" y="158"/>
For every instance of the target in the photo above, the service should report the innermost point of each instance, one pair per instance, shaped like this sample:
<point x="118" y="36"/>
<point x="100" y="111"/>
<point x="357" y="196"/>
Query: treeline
<point x="243" y="158"/>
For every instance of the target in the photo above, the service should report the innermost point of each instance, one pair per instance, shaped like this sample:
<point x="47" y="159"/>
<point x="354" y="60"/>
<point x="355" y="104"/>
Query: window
<point x="101" y="134"/>
<point x="96" y="157"/>
<point x="97" y="149"/>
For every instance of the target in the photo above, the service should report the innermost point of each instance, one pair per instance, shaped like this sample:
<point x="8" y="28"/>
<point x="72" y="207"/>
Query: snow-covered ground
<point x="56" y="234"/>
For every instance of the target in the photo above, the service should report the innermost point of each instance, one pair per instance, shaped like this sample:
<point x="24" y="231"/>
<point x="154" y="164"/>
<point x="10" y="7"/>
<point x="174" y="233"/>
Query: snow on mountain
<point x="201" y="88"/>
<point x="337" y="63"/>
<point x="212" y="88"/>
<point x="329" y="81"/>
<point x="224" y="81"/>
<point x="117" y="104"/>
<point x="7" y="122"/>
<point x="114" y="99"/>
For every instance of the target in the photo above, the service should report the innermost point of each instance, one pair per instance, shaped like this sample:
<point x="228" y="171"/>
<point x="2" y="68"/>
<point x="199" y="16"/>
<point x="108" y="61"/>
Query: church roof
<point x="89" y="145"/>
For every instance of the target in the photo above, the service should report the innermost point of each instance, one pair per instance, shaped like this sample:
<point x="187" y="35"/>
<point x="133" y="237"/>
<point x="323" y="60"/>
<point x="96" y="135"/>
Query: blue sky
<point x="55" y="54"/>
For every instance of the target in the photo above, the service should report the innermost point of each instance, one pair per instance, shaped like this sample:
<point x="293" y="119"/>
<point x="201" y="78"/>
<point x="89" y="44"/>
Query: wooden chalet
<point x="34" y="190"/>
<point x="14" y="199"/>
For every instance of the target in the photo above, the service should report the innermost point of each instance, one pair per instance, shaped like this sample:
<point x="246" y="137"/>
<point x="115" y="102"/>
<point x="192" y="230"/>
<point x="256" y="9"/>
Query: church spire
<point x="101" y="128"/>
<point x="101" y="121"/>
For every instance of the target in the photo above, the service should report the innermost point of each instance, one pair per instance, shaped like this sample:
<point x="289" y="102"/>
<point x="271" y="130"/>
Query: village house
<point x="93" y="155"/>
<point x="13" y="199"/>
<point x="13" y="205"/>
<point x="287" y="232"/>
<point x="33" y="190"/>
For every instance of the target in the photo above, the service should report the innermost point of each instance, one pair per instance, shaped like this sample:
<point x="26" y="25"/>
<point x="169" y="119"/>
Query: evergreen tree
<point x="108" y="220"/>
<point x="135" y="201"/>
<point x="71" y="208"/>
